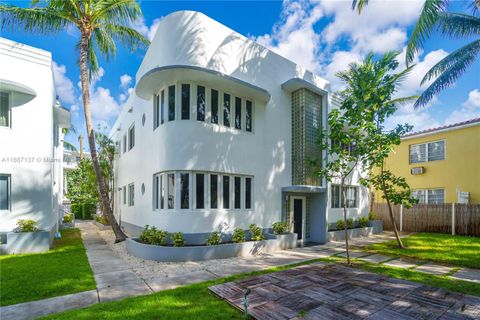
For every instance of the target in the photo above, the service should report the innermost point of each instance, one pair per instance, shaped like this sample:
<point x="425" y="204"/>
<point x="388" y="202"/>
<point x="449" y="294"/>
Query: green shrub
<point x="26" y="225"/>
<point x="340" y="225"/>
<point x="68" y="218"/>
<point x="84" y="212"/>
<point x="102" y="219"/>
<point x="238" y="235"/>
<point x="363" y="222"/>
<point x="150" y="235"/>
<point x="178" y="239"/>
<point x="372" y="216"/>
<point x="280" y="227"/>
<point x="214" y="239"/>
<point x="256" y="232"/>
<point x="350" y="223"/>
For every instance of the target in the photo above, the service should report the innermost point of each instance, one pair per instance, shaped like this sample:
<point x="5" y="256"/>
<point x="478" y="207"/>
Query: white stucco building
<point x="31" y="122"/>
<point x="219" y="134"/>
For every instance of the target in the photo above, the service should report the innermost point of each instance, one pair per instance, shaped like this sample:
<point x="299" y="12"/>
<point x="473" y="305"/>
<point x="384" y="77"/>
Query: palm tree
<point x="435" y="18"/>
<point x="101" y="23"/>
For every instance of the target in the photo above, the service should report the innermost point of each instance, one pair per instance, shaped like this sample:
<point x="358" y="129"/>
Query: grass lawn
<point x="197" y="302"/>
<point x="60" y="271"/>
<point x="461" y="251"/>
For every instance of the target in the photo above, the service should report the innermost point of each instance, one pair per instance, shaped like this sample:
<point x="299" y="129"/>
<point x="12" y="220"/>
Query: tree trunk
<point x="344" y="206"/>
<point x="84" y="45"/>
<point x="392" y="218"/>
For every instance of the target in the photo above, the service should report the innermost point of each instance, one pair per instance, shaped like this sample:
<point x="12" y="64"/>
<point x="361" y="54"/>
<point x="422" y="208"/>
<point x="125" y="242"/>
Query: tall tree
<point x="367" y="102"/>
<point x="435" y="17"/>
<point x="101" y="23"/>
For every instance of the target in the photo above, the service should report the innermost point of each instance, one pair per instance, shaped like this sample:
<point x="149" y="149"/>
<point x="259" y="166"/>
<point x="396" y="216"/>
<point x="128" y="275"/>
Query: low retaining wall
<point x="375" y="227"/>
<point x="221" y="251"/>
<point x="26" y="242"/>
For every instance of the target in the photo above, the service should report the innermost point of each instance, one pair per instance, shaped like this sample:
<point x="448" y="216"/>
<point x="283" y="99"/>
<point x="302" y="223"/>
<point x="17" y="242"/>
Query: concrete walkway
<point x="116" y="280"/>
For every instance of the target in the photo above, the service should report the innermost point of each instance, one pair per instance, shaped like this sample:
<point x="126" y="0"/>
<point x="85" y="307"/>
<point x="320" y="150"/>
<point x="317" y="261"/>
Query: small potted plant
<point x="68" y="220"/>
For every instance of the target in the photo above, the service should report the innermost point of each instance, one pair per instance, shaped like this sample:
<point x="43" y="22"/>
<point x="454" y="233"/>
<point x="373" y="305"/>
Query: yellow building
<point x="441" y="165"/>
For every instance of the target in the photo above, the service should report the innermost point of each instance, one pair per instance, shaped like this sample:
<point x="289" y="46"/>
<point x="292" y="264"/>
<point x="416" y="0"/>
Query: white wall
<point x="27" y="146"/>
<point x="192" y="39"/>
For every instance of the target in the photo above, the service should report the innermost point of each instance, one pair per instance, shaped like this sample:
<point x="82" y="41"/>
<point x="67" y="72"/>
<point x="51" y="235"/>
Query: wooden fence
<point x="433" y="218"/>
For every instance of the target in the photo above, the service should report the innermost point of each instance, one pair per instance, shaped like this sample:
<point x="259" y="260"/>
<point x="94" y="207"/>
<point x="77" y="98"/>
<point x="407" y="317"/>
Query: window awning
<point x="294" y="84"/>
<point x="154" y="79"/>
<point x="20" y="93"/>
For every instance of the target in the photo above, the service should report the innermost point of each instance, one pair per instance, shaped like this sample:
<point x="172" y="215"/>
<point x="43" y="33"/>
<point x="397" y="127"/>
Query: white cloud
<point x="470" y="108"/>
<point x="339" y="61"/>
<point x="146" y="31"/>
<point x="63" y="85"/>
<point x="125" y="81"/>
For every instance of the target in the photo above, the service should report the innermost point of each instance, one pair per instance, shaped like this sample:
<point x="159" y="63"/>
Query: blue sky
<point x="324" y="36"/>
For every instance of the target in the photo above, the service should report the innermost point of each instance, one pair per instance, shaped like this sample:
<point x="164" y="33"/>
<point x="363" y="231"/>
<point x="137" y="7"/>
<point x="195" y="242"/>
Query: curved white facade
<point x="191" y="49"/>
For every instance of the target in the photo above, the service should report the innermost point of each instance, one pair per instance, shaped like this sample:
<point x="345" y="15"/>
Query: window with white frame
<point x="226" y="192"/>
<point x="131" y="195"/>
<point x="184" y="190"/>
<point x="213" y="191"/>
<point x="124" y="195"/>
<point x="429" y="196"/>
<point x="351" y="199"/>
<point x="156" y="111"/>
<point x="156" y="192"/>
<point x="214" y="106"/>
<point x="248" y="193"/>
<point x="171" y="190"/>
<point x="248" y="116"/>
<point x="201" y="110"/>
<point x="5" y="192"/>
<point x="124" y="143"/>
<point x="237" y="192"/>
<point x="185" y="105"/>
<point x="430" y="151"/>
<point x="131" y="137"/>
<point x="199" y="191"/>
<point x="238" y="113"/>
<point x="226" y="110"/>
<point x="5" y="109"/>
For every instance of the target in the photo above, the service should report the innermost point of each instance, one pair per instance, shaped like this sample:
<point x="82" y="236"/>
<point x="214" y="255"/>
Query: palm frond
<point x="129" y="37"/>
<point x="116" y="11"/>
<point x="104" y="42"/>
<point x="453" y="70"/>
<point x="403" y="100"/>
<point x="424" y="26"/>
<point x="68" y="146"/>
<point x="35" y="20"/>
<point x="458" y="25"/>
<point x="359" y="5"/>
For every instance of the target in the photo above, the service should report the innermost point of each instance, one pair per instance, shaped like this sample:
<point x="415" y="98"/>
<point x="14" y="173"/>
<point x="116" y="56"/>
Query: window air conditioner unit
<point x="417" y="170"/>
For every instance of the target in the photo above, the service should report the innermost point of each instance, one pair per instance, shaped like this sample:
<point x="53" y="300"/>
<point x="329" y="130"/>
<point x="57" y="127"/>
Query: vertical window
<point x="214" y="106"/>
<point x="4" y="192"/>
<point x="352" y="197"/>
<point x="162" y="107"/>
<point x="200" y="190"/>
<point x="213" y="191"/>
<point x="248" y="193"/>
<point x="238" y="113"/>
<point x="131" y="195"/>
<point x="200" y="103"/>
<point x="124" y="195"/>
<point x="237" y="192"/>
<point x="131" y="137"/>
<point x="162" y="191"/>
<point x="171" y="190"/>
<point x="184" y="186"/>
<point x="156" y="111"/>
<point x="248" y="116"/>
<point x="335" y="196"/>
<point x="124" y="143"/>
<point x="156" y="192"/>
<point x="226" y="109"/>
<point x="226" y="192"/>
<point x="185" y="101"/>
<point x="4" y="109"/>
<point x="171" y="103"/>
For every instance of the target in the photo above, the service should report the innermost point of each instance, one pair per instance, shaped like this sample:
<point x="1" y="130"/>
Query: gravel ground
<point x="149" y="268"/>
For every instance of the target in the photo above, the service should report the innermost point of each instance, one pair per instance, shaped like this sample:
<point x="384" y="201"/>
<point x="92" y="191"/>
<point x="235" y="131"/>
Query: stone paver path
<point x="466" y="274"/>
<point x="329" y="291"/>
<point x="376" y="258"/>
<point x="432" y="268"/>
<point x="401" y="263"/>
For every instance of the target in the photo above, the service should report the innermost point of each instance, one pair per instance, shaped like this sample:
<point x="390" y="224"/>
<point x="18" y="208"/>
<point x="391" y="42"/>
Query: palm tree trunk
<point x="392" y="219"/>
<point x="344" y="205"/>
<point x="84" y="45"/>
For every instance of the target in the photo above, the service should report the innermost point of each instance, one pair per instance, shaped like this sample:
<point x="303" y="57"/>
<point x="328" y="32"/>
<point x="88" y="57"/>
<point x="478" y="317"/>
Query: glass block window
<point x="185" y="101"/>
<point x="226" y="110"/>
<point x="306" y="129"/>
<point x="214" y="103"/>
<point x="200" y="103"/>
<point x="238" y="113"/>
